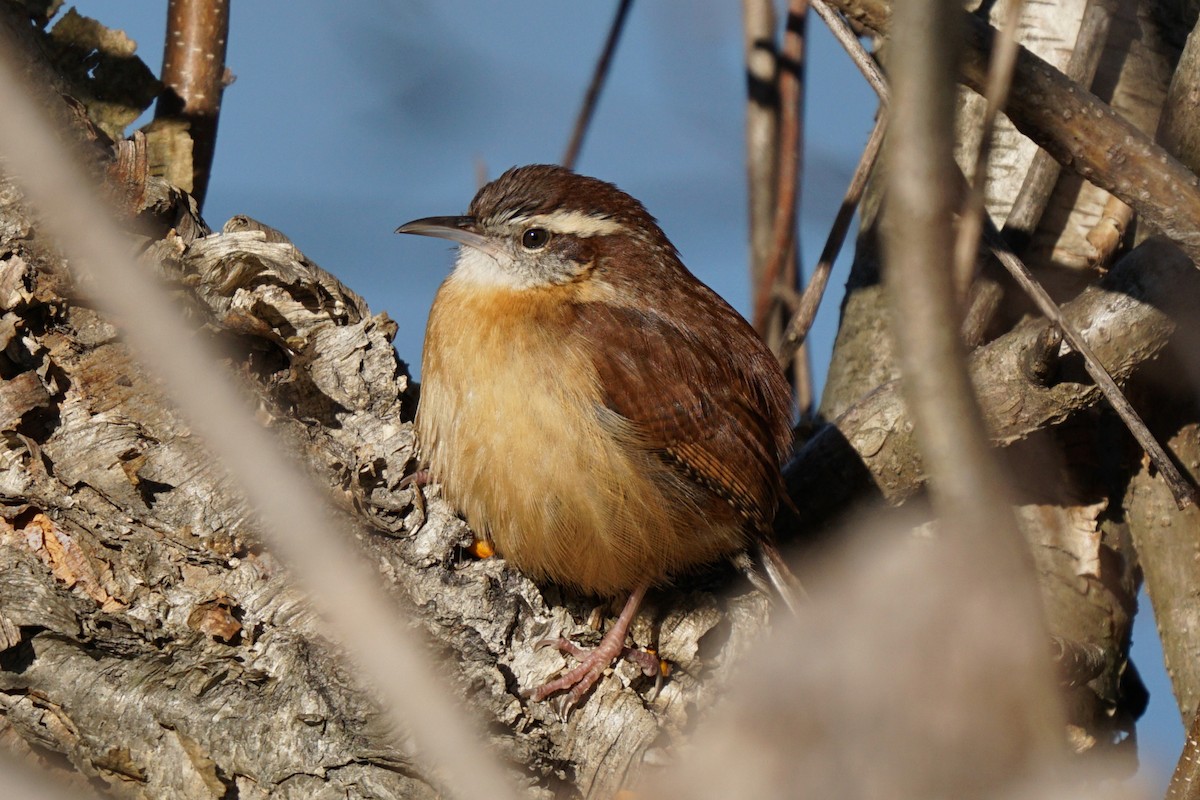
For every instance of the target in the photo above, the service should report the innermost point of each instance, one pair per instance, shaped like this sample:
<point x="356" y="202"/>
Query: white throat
<point x="484" y="269"/>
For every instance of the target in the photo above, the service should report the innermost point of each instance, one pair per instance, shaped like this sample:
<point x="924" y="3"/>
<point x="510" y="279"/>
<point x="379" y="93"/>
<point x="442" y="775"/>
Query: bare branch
<point x="1035" y="191"/>
<point x="1030" y="203"/>
<point x="1183" y="491"/>
<point x="810" y="301"/>
<point x="1166" y="558"/>
<point x="791" y="84"/>
<point x="999" y="80"/>
<point x="849" y="41"/>
<point x="805" y="313"/>
<point x="598" y="77"/>
<point x="1185" y="782"/>
<point x="1127" y="320"/>
<point x="922" y="191"/>
<point x="194" y="78"/>
<point x="762" y="128"/>
<point x="1179" y="125"/>
<point x="1078" y="130"/>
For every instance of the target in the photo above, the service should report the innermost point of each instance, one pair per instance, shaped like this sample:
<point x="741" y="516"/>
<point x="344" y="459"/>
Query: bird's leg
<point x="417" y="482"/>
<point x="593" y="662"/>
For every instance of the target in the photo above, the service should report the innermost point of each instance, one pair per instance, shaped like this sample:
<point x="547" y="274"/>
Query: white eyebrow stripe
<point x="575" y="223"/>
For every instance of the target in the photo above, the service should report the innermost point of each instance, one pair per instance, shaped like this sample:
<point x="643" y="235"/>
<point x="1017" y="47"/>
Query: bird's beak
<point x="464" y="230"/>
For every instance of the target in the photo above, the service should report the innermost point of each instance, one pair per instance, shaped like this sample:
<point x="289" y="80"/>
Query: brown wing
<point x="702" y="392"/>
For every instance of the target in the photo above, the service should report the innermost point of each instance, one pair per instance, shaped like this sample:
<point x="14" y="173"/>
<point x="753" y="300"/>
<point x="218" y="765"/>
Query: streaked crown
<point x="544" y="225"/>
<point x="562" y="202"/>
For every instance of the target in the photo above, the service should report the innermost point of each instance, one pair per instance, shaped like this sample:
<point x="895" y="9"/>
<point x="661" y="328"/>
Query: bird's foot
<point x="417" y="481"/>
<point x="592" y="663"/>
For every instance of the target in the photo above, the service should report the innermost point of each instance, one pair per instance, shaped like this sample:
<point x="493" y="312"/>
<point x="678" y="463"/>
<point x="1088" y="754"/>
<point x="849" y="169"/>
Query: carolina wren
<point x="595" y="411"/>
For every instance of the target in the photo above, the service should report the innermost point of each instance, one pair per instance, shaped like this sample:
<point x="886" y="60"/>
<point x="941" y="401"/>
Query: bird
<point x="596" y="413"/>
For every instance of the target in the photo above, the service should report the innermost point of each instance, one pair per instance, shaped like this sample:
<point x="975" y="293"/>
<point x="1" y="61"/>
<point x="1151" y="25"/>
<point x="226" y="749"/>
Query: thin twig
<point x="1183" y="491"/>
<point x="999" y="80"/>
<point x="791" y="86"/>
<point x="193" y="76"/>
<point x="806" y="311"/>
<point x="593" y="93"/>
<point x="853" y="47"/>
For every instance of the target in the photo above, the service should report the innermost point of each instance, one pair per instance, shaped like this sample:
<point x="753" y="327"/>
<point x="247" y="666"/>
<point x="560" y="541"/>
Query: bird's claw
<point x="593" y="662"/>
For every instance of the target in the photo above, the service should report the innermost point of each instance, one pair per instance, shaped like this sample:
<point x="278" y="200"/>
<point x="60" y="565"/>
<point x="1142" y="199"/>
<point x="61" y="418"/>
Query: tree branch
<point x="1080" y="131"/>
<point x="1034" y="194"/>
<point x="194" y="78"/>
<point x="599" y="75"/>
<point x="791" y="86"/>
<point x="1127" y="319"/>
<point x="1185" y="782"/>
<point x="922" y="187"/>
<point x="1183" y="491"/>
<point x="762" y="128"/>
<point x="810" y="300"/>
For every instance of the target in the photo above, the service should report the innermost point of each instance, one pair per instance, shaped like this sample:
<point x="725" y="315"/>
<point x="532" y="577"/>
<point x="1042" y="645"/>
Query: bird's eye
<point x="535" y="238"/>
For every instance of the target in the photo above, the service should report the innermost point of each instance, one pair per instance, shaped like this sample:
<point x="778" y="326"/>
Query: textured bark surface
<point x="150" y="647"/>
<point x="131" y="568"/>
<point x="1168" y="540"/>
<point x="1070" y="468"/>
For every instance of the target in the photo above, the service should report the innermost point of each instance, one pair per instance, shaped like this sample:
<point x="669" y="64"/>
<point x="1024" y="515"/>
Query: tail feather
<point x="786" y="584"/>
<point x="779" y="575"/>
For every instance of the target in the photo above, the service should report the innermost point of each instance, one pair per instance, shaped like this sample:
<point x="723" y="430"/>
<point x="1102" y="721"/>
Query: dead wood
<point x="1080" y="131"/>
<point x="151" y="646"/>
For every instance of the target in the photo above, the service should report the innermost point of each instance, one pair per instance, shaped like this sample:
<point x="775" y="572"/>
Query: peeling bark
<point x="153" y="648"/>
<point x="150" y="647"/>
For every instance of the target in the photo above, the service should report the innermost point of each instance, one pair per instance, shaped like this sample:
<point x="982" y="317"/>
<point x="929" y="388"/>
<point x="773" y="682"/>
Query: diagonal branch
<point x="1181" y="489"/>
<point x="593" y="93"/>
<point x="810" y="301"/>
<point x="1127" y="320"/>
<point x="805" y="313"/>
<point x="1079" y="130"/>
<point x="853" y="47"/>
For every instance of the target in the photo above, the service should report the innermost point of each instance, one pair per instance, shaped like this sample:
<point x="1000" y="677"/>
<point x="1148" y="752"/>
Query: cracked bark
<point x="149" y="646"/>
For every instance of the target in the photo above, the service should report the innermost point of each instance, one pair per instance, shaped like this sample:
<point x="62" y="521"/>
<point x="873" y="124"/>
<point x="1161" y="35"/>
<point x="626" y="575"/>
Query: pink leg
<point x="417" y="480"/>
<point x="593" y="662"/>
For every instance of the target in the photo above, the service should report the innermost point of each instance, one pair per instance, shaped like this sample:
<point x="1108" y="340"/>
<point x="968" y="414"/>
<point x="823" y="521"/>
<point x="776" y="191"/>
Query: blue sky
<point x="349" y="119"/>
